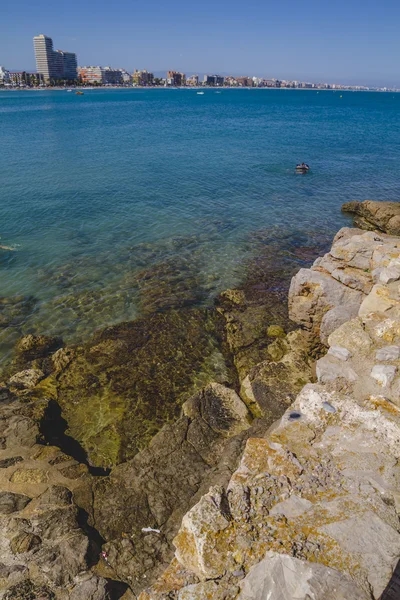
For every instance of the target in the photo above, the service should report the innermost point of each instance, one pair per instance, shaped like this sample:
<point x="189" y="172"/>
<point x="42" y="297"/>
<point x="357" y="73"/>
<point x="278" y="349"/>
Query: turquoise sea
<point x="108" y="195"/>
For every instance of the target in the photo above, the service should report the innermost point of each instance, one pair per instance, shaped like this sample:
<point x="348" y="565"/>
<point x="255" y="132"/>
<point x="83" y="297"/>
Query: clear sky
<point x="343" y="41"/>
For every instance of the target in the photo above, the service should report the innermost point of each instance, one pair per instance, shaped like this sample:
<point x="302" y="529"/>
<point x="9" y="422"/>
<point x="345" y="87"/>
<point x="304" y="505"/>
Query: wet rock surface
<point x="313" y="508"/>
<point x="121" y="388"/>
<point x="174" y="402"/>
<point x="371" y="215"/>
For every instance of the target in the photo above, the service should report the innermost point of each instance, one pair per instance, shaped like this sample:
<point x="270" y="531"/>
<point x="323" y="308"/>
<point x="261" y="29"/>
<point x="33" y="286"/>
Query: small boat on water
<point x="79" y="93"/>
<point x="303" y="168"/>
<point x="69" y="90"/>
<point x="200" y="93"/>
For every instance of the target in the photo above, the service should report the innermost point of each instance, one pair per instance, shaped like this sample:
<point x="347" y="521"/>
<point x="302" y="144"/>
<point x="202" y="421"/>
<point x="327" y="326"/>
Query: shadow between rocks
<point x="392" y="591"/>
<point x="52" y="429"/>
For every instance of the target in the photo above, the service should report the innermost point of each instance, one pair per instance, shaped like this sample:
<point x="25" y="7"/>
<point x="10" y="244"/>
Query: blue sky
<point x="337" y="41"/>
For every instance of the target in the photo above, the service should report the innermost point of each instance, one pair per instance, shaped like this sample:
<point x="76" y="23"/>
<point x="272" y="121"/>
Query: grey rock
<point x="388" y="353"/>
<point x="91" y="589"/>
<point x="329" y="368"/>
<point x="292" y="507"/>
<point x="375" y="542"/>
<point x="336" y="317"/>
<point x="389" y="275"/>
<point x="11" y="502"/>
<point x="383" y="374"/>
<point x="339" y="352"/>
<point x="283" y="577"/>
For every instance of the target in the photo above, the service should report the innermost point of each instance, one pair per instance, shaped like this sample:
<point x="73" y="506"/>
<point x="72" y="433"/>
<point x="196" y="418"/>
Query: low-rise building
<point x="25" y="79"/>
<point x="100" y="75"/>
<point x="142" y="77"/>
<point x="193" y="80"/>
<point x="244" y="81"/>
<point x="175" y="79"/>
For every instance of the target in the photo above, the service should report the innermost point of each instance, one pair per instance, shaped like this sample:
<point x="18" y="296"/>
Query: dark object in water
<point x="303" y="168"/>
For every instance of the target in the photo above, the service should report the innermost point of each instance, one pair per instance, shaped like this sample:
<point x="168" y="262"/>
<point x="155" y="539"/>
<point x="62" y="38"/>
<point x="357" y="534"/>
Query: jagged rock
<point x="27" y="590"/>
<point x="331" y="292"/>
<point x="31" y="347"/>
<point x="312" y="294"/>
<point x="271" y="386"/>
<point x="282" y="577"/>
<point x="11" y="502"/>
<point x="24" y="542"/>
<point x="26" y="379"/>
<point x="320" y="491"/>
<point x="19" y="431"/>
<point x="60" y="359"/>
<point x="381" y="299"/>
<point x="390" y="274"/>
<point x="93" y="588"/>
<point x="384" y="216"/>
<point x="157" y="486"/>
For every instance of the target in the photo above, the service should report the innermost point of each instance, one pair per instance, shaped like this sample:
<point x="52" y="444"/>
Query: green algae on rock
<point x="131" y="379"/>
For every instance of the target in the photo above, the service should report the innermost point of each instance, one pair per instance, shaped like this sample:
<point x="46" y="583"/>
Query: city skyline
<point x="355" y="44"/>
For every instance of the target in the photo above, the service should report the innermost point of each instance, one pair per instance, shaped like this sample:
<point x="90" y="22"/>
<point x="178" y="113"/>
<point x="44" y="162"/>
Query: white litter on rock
<point x="150" y="529"/>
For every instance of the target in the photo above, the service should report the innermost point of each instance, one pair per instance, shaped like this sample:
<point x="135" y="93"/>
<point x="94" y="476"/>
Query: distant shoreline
<point x="187" y="88"/>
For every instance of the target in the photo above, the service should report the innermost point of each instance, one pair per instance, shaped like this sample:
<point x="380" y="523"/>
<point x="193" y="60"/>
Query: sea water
<point x="102" y="194"/>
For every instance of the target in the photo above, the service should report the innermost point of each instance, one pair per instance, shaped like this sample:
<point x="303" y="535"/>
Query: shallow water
<point x="121" y="202"/>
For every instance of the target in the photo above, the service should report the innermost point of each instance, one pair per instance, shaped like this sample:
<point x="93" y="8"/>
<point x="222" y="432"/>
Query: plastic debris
<point x="149" y="529"/>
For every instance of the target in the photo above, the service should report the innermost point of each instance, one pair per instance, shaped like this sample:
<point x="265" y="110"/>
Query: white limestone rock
<point x="388" y="353"/>
<point x="352" y="336"/>
<point x="292" y="507"/>
<point x="378" y="300"/>
<point x="383" y="374"/>
<point x="330" y="368"/>
<point x="283" y="577"/>
<point x="374" y="541"/>
<point x="389" y="275"/>
<point x="339" y="352"/>
<point x="335" y="317"/>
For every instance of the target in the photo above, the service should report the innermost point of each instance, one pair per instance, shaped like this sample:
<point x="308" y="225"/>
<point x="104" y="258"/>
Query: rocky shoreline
<point x="276" y="468"/>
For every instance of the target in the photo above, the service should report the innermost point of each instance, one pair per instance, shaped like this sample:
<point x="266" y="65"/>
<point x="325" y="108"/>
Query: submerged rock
<point x="122" y="387"/>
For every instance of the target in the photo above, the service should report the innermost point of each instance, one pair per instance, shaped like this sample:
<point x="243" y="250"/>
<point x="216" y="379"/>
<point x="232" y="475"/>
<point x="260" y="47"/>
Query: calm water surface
<point x="108" y="195"/>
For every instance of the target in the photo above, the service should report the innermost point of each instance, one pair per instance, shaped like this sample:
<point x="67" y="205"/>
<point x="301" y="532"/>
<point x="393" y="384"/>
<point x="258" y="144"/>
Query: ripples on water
<point x="128" y="201"/>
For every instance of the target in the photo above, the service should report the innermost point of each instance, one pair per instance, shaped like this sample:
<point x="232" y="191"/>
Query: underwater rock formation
<point x="313" y="509"/>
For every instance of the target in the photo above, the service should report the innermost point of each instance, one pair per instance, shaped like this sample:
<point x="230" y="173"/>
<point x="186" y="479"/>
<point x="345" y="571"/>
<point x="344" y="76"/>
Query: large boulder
<point x="370" y="215"/>
<point x="331" y="292"/>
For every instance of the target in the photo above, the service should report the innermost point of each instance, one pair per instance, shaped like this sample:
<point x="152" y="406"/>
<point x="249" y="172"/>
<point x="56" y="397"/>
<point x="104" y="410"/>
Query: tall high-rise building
<point x="53" y="64"/>
<point x="70" y="64"/>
